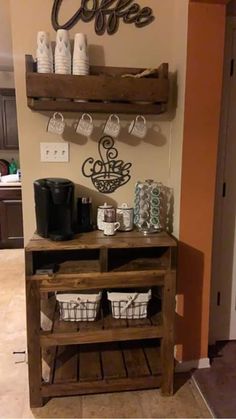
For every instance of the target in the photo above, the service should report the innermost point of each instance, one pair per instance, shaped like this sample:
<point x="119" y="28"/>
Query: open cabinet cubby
<point x="104" y="90"/>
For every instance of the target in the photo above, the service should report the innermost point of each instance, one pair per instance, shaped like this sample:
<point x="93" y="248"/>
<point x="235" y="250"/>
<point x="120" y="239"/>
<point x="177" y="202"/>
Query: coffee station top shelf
<point x="103" y="91"/>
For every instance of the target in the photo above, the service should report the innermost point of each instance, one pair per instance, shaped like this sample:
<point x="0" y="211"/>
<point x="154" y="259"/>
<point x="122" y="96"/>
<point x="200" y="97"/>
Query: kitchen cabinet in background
<point x="11" y="219"/>
<point x="8" y="120"/>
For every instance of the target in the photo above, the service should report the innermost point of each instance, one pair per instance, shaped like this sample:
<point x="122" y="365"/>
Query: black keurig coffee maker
<point x="54" y="204"/>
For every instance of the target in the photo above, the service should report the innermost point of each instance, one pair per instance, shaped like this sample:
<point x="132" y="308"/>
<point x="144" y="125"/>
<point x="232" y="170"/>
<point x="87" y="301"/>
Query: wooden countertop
<point x="97" y="240"/>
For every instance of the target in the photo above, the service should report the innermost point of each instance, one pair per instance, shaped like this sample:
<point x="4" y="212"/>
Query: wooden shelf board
<point x="97" y="240"/>
<point x="92" y="281"/>
<point x="134" y="366"/>
<point x="104" y="89"/>
<point x="51" y="105"/>
<point x="106" y="329"/>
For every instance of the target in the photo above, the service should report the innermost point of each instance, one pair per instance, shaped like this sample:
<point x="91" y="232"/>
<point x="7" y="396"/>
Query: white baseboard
<point x="194" y="364"/>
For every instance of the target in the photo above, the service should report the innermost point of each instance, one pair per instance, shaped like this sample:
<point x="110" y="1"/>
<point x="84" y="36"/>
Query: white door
<point x="223" y="296"/>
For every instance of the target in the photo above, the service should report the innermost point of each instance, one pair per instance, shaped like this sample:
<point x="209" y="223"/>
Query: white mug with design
<point x="85" y="125"/>
<point x="56" y="124"/>
<point x="112" y="126"/>
<point x="109" y="229"/>
<point x="138" y="127"/>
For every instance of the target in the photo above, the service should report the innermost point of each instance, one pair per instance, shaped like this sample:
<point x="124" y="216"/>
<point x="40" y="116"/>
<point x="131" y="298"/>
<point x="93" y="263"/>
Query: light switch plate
<point x="54" y="152"/>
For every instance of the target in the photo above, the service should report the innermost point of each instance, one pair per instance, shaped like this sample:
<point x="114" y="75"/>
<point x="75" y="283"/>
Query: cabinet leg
<point x="33" y="337"/>
<point x="167" y="344"/>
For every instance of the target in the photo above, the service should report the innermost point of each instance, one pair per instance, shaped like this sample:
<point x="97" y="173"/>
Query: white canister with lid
<point x="125" y="216"/>
<point x="100" y="215"/>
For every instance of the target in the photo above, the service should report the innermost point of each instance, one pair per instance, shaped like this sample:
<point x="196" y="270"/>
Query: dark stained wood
<point x="154" y="359"/>
<point x="11" y="218"/>
<point x="167" y="344"/>
<point x="96" y="281"/>
<point x="66" y="364"/>
<point x="33" y="333"/>
<point x="98" y="87"/>
<point x="112" y="362"/>
<point x="106" y="335"/>
<point x="103" y="259"/>
<point x="8" y="120"/>
<point x="48" y="358"/>
<point x="114" y="355"/>
<point x="89" y="364"/>
<point x="8" y="193"/>
<point x="96" y="107"/>
<point x="101" y="386"/>
<point x="96" y="240"/>
<point x="135" y="362"/>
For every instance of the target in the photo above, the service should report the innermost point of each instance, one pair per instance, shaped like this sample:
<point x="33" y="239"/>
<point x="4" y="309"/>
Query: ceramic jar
<point x="125" y="216"/>
<point x="101" y="215"/>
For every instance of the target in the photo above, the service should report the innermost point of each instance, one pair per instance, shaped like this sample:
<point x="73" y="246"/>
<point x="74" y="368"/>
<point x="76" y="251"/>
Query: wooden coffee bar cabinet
<point x="108" y="354"/>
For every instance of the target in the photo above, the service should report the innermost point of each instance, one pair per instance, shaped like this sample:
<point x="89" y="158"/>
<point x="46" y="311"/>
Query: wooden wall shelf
<point x="103" y="91"/>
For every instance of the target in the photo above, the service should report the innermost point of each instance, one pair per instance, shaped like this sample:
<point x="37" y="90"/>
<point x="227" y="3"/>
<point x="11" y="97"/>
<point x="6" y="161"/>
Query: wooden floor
<point x="14" y="402"/>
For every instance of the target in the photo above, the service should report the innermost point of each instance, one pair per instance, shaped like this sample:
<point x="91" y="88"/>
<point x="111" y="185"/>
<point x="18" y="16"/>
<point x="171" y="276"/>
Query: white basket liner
<point x="79" y="307"/>
<point x="128" y="306"/>
<point x="85" y="298"/>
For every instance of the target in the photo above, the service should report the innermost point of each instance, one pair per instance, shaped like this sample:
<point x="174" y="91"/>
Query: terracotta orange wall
<point x="205" y="56"/>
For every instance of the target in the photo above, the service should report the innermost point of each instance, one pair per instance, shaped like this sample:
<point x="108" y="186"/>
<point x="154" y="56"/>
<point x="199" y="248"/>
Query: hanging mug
<point x="112" y="126"/>
<point x="85" y="125"/>
<point x="56" y="124"/>
<point x="138" y="127"/>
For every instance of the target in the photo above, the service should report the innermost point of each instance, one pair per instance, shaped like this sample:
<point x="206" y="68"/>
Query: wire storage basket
<point x="129" y="305"/>
<point x="77" y="307"/>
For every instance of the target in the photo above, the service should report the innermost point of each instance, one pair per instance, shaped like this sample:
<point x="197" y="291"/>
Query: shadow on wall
<point x="189" y="318"/>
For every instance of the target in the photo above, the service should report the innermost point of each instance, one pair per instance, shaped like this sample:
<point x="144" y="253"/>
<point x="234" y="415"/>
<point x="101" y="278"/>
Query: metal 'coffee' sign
<point x="108" y="173"/>
<point x="106" y="13"/>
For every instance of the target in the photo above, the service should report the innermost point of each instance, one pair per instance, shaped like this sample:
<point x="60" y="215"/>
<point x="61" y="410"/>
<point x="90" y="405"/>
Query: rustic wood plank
<point x="66" y="364"/>
<point x="101" y="386"/>
<point x="89" y="364"/>
<point x="112" y="362"/>
<point x="92" y="336"/>
<point x="96" y="107"/>
<point x="48" y="363"/>
<point x="135" y="361"/>
<point x="111" y="323"/>
<point x="96" y="240"/>
<point x="97" y="87"/>
<point x="154" y="359"/>
<point x="103" y="259"/>
<point x="138" y="322"/>
<point x="167" y="343"/>
<point x="33" y="335"/>
<point x="94" y="281"/>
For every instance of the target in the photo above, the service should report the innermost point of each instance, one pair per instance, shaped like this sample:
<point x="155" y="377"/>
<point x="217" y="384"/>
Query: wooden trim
<point x="120" y="384"/>
<point x="96" y="336"/>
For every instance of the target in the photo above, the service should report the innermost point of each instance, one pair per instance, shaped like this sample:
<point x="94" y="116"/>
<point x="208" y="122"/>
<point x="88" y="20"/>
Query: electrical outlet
<point x="54" y="152"/>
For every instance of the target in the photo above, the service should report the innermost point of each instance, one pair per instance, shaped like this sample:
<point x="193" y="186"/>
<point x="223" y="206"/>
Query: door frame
<point x="221" y="188"/>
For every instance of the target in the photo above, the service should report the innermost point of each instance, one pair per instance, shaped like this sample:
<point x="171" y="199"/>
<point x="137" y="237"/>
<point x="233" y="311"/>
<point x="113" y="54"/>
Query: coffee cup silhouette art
<point x="108" y="173"/>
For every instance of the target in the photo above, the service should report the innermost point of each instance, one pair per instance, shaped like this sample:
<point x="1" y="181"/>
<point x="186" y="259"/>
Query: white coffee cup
<point x="112" y="126"/>
<point x="109" y="229"/>
<point x="56" y="124"/>
<point x="138" y="127"/>
<point x="85" y="125"/>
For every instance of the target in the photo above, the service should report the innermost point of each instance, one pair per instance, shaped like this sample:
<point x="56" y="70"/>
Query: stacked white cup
<point x="44" y="53"/>
<point x="80" y="55"/>
<point x="62" y="53"/>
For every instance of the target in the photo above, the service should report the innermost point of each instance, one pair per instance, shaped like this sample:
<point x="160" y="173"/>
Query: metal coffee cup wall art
<point x="106" y="13"/>
<point x="109" y="173"/>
